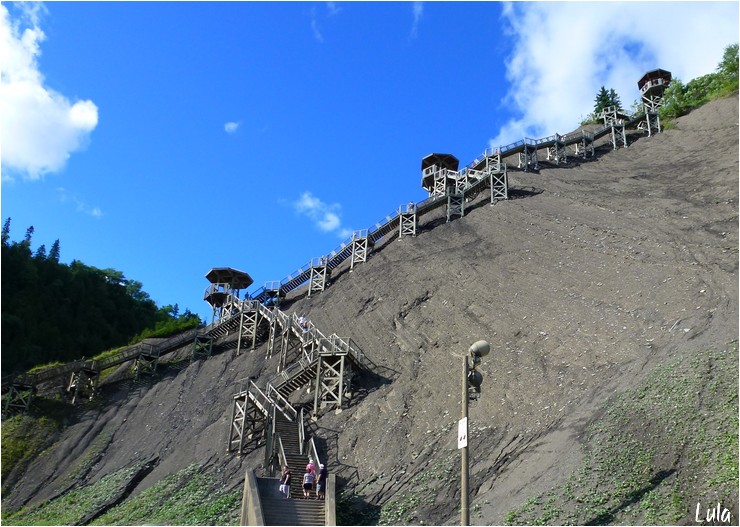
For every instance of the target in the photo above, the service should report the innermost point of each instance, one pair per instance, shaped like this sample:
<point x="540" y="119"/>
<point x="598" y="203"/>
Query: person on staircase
<point x="285" y="483"/>
<point x="307" y="484"/>
<point x="321" y="482"/>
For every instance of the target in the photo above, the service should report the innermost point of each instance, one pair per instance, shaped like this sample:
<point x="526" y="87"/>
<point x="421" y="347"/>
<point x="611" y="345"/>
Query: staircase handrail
<point x="50" y="373"/>
<point x="313" y="453"/>
<point x="251" y="509"/>
<point x="277" y="399"/>
<point x="291" y="371"/>
<point x="385" y="221"/>
<point x="281" y="452"/>
<point x="265" y="311"/>
<point x="265" y="402"/>
<point x="259" y="397"/>
<point x="122" y="356"/>
<point x="301" y="432"/>
<point x="335" y="343"/>
<point x="296" y="274"/>
<point x="544" y="139"/>
<point x="270" y="439"/>
<point x="175" y="341"/>
<point x="225" y="316"/>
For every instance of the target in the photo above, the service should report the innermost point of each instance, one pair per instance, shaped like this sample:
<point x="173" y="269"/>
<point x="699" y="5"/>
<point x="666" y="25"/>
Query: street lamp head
<point x="480" y="349"/>
<point x="475" y="379"/>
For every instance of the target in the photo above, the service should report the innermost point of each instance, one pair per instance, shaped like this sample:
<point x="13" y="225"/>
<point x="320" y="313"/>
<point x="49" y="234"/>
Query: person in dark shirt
<point x="321" y="482"/>
<point x="285" y="483"/>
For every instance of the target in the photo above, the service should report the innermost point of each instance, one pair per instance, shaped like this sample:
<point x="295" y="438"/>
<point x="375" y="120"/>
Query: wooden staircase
<point x="297" y="462"/>
<point x="296" y="510"/>
<point x="279" y="511"/>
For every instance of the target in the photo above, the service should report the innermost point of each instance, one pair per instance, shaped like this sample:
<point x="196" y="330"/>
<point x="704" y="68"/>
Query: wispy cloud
<point x="417" y="10"/>
<point x="67" y="197"/>
<point x="315" y="26"/>
<point x="324" y="216"/>
<point x="333" y="8"/>
<point x="231" y="127"/>
<point x="40" y="127"/>
<point x="562" y="53"/>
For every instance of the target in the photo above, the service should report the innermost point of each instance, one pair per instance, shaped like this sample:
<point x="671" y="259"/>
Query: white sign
<point x="462" y="433"/>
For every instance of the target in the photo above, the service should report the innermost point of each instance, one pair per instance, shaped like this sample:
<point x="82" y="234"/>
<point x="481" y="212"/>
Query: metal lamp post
<point x="471" y="378"/>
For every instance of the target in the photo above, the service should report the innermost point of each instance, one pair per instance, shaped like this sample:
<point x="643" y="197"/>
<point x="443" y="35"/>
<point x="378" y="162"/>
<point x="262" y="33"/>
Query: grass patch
<point x="423" y="490"/>
<point x="24" y="437"/>
<point x="72" y="506"/>
<point x="44" y="367"/>
<point x="659" y="449"/>
<point x="108" y="353"/>
<point x="89" y="457"/>
<point x="188" y="497"/>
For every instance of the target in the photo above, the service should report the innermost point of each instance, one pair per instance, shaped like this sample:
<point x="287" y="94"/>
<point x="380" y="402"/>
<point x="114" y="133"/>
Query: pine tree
<point x="614" y="99"/>
<point x="606" y="98"/>
<point x="54" y="251"/>
<point x="41" y="252"/>
<point x="602" y="101"/>
<point x="6" y="231"/>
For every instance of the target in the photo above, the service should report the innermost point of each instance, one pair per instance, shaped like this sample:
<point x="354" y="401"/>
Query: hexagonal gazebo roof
<point x="651" y="77"/>
<point x="447" y="161"/>
<point x="227" y="275"/>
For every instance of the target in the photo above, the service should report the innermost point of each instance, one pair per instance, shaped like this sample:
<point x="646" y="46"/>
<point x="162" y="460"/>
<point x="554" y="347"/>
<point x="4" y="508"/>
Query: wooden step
<point x="293" y="511"/>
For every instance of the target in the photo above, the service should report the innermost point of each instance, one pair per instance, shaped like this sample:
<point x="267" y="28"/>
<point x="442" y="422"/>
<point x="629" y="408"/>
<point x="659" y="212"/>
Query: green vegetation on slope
<point x="24" y="437"/>
<point x="75" y="505"/>
<point x="188" y="497"/>
<point x="658" y="450"/>
<point x="680" y="98"/>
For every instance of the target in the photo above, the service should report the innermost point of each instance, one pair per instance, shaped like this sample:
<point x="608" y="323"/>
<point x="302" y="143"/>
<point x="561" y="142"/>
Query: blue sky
<point x="163" y="139"/>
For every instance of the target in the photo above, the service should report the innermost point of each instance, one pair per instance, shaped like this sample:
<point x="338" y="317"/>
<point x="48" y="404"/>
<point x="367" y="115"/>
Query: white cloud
<point x="80" y="205"/>
<point x="563" y="52"/>
<point x="333" y="8"/>
<point x="40" y="128"/>
<point x="315" y="28"/>
<point x="231" y="127"/>
<point x="418" y="11"/>
<point x="325" y="217"/>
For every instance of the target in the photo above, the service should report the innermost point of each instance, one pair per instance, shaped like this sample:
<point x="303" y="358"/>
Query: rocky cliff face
<point x="586" y="283"/>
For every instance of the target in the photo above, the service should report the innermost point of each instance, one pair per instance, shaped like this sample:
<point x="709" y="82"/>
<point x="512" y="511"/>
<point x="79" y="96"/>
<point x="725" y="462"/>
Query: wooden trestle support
<point x="651" y="105"/>
<point x="202" y="347"/>
<point x="407" y="221"/>
<point x="359" y="248"/>
<point x="146" y="362"/>
<point x="528" y="157"/>
<point x="83" y="383"/>
<point x="618" y="128"/>
<point x="308" y="359"/>
<point x="319" y="274"/>
<point x="19" y="398"/>
<point x="558" y="152"/>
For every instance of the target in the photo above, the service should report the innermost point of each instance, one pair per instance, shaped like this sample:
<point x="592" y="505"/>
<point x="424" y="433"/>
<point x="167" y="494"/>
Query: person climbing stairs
<point x="296" y="510"/>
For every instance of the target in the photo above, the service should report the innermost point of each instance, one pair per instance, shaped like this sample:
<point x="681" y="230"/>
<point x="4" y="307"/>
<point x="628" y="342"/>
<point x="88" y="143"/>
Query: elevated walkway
<point x="83" y="376"/>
